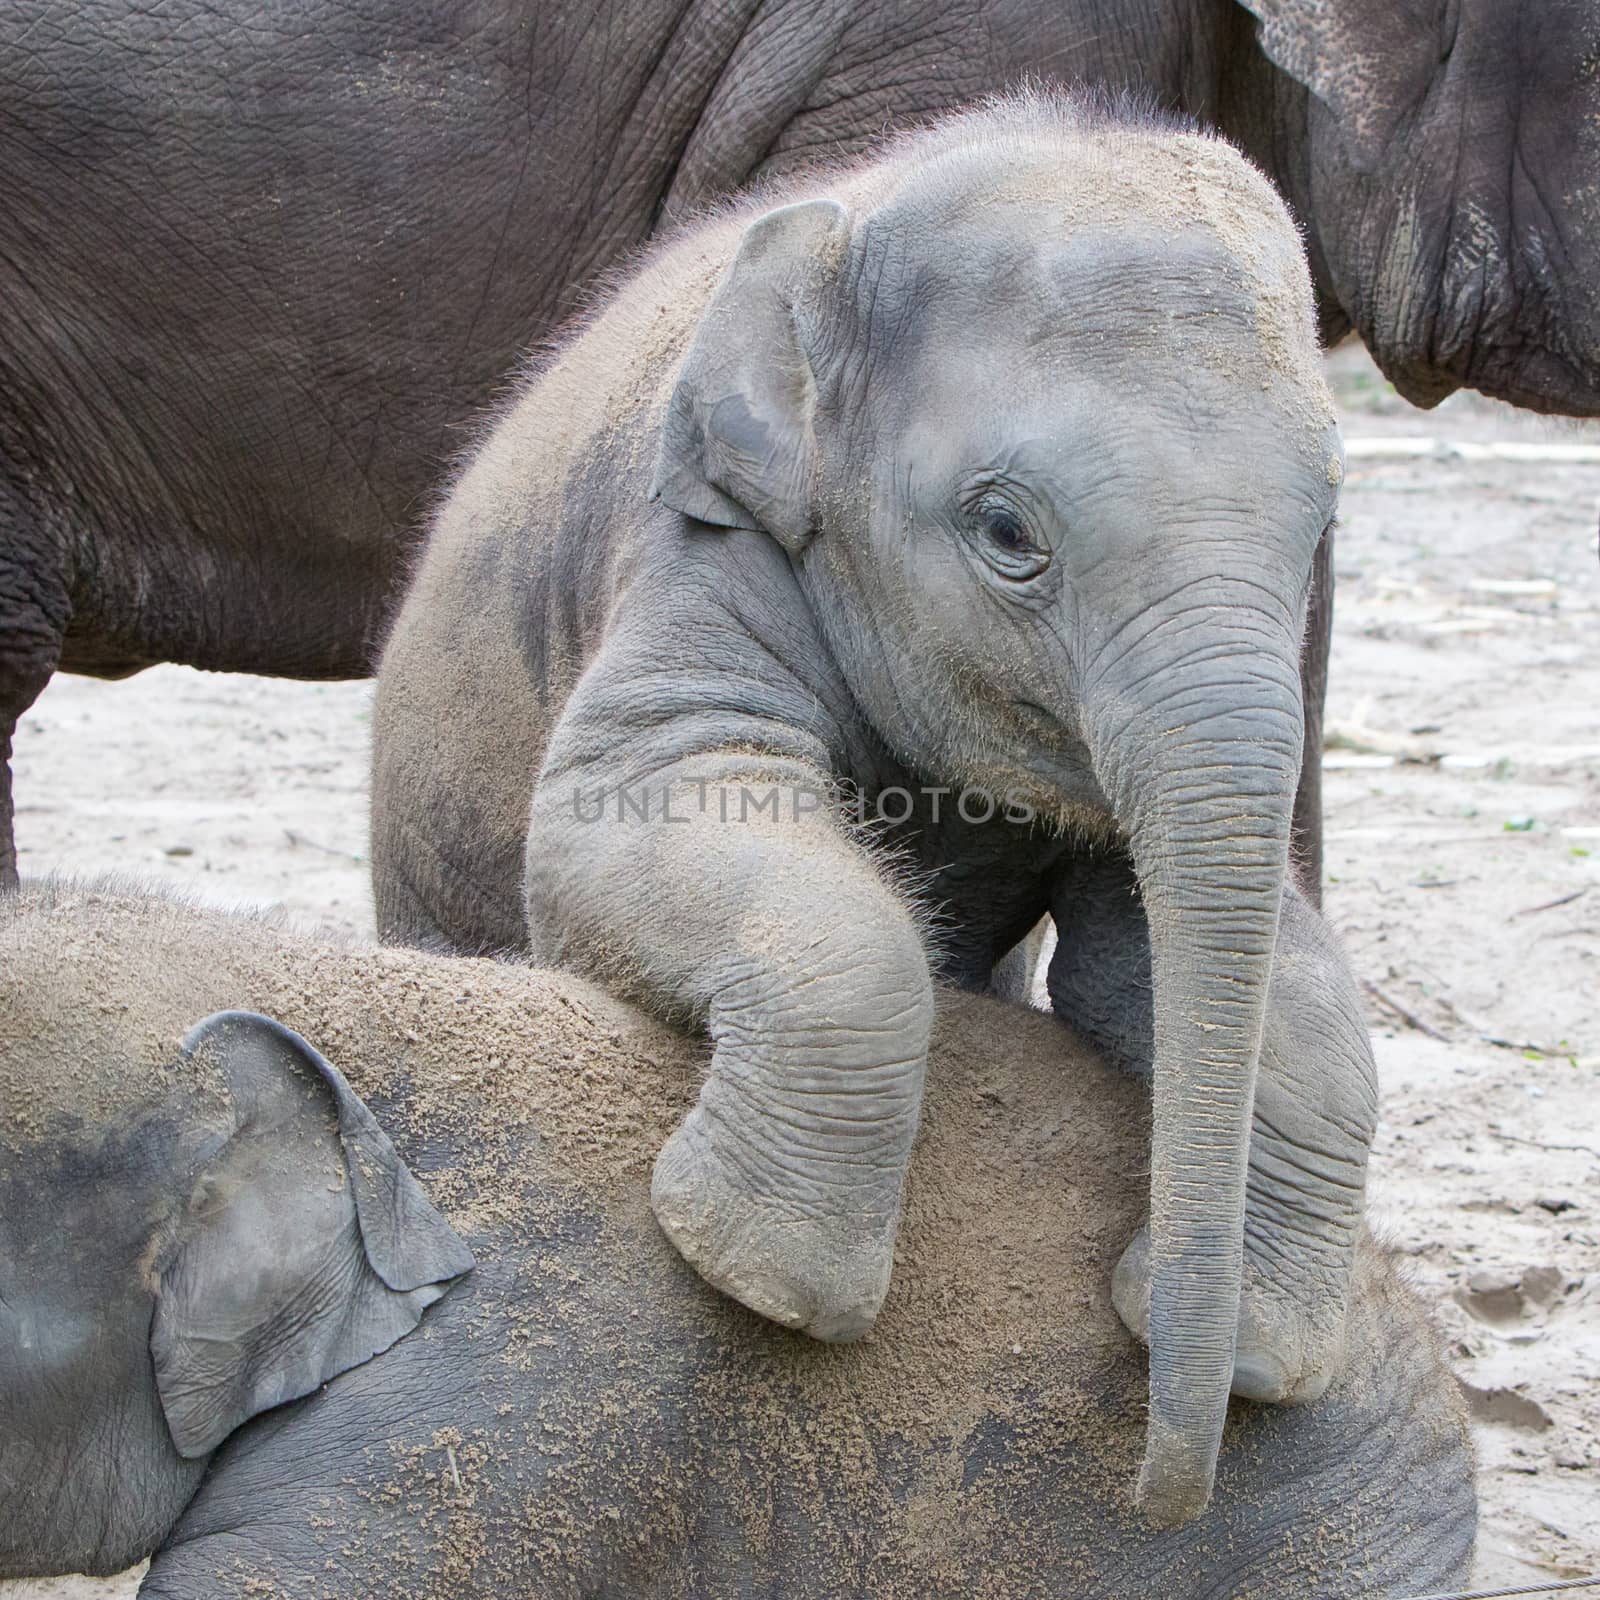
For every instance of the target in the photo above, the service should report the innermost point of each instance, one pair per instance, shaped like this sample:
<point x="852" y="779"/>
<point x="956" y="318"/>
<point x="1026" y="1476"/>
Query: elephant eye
<point x="1006" y="542"/>
<point x="1005" y="529"/>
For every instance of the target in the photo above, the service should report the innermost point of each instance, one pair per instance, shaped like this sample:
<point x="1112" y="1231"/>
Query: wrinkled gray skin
<point x="261" y="265"/>
<point x="580" y="1415"/>
<point x="999" y="463"/>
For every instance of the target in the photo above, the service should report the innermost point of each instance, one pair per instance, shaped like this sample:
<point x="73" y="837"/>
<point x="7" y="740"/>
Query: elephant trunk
<point x="1201" y="770"/>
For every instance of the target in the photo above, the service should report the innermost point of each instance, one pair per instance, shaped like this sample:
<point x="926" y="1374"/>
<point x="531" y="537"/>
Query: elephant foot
<point x="823" y="1275"/>
<point x="1290" y="1346"/>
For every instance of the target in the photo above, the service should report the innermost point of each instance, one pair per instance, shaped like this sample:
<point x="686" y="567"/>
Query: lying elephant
<point x="989" y="478"/>
<point x="261" y="266"/>
<point x="580" y="1415"/>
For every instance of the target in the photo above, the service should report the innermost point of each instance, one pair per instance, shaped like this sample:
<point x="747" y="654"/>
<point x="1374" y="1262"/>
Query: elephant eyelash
<point x="1005" y="538"/>
<point x="1005" y="532"/>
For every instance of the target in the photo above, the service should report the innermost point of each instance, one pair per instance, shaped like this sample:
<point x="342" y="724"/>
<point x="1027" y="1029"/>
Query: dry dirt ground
<point x="1463" y="799"/>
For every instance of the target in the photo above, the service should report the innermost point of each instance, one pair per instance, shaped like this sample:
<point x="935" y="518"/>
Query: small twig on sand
<point x="1550" y="905"/>
<point x="1499" y="1041"/>
<point x="1405" y="1014"/>
<point x="1540" y="1144"/>
<point x="326" y="849"/>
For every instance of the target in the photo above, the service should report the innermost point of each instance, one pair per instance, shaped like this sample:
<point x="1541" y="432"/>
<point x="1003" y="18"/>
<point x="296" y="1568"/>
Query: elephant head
<point x="1449" y="172"/>
<point x="178" y="1254"/>
<point x="1043" y="427"/>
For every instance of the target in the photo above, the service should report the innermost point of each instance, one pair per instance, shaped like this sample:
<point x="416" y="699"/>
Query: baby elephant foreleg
<point x="1316" y="1110"/>
<point x="1314" y="1116"/>
<point x="753" y="911"/>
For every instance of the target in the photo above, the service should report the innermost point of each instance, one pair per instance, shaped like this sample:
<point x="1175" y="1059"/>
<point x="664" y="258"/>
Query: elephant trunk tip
<point x="1175" y="1478"/>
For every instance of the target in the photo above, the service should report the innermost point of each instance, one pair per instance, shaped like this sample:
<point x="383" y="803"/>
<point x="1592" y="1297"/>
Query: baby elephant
<point x="869" y="577"/>
<point x="580" y="1414"/>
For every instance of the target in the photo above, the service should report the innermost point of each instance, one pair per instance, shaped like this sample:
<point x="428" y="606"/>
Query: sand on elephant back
<point x="491" y="1050"/>
<point x="1029" y="1176"/>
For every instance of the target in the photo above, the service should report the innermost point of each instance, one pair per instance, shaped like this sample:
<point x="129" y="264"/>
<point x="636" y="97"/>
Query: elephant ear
<point x="737" y="447"/>
<point x="306" y="1247"/>
<point x="1369" y="62"/>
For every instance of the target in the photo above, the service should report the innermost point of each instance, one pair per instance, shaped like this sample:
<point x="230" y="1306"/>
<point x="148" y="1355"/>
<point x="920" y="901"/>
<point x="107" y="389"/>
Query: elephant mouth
<point x="1061" y="782"/>
<point x="1044" y="721"/>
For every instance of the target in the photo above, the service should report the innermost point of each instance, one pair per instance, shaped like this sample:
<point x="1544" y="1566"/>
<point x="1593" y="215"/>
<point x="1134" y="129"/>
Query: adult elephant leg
<point x="727" y="892"/>
<point x="34" y="608"/>
<point x="1306" y="838"/>
<point x="1314" y="1114"/>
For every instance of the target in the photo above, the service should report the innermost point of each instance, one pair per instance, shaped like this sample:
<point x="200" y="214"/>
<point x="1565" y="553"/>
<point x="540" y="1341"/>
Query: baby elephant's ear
<point x="737" y="448"/>
<point x="306" y="1246"/>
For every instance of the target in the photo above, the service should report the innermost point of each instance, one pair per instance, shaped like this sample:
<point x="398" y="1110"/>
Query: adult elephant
<point x="259" y="266"/>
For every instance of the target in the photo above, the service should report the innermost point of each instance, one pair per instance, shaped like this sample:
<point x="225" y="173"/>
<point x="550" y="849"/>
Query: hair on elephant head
<point x="180" y="1254"/>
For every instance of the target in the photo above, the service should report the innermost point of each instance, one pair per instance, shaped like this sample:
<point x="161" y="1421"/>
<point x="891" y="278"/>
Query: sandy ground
<point x="1463" y="797"/>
